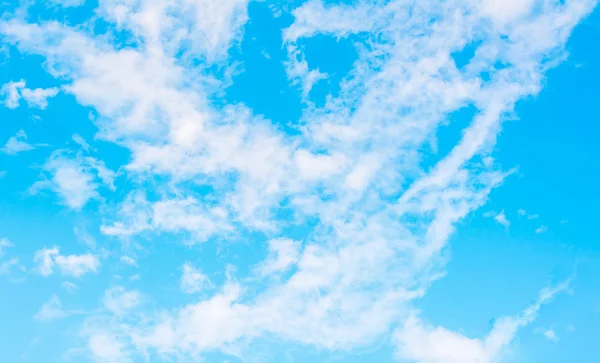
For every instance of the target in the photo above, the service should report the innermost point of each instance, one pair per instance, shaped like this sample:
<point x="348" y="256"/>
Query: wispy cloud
<point x="75" y="178"/>
<point x="128" y="260"/>
<point x="119" y="300"/>
<point x="523" y="213"/>
<point x="550" y="334"/>
<point x="193" y="280"/>
<point x="499" y="217"/>
<point x="541" y="229"/>
<point x="419" y="342"/>
<point x="49" y="259"/>
<point x="51" y="310"/>
<point x="17" y="144"/>
<point x="4" y="245"/>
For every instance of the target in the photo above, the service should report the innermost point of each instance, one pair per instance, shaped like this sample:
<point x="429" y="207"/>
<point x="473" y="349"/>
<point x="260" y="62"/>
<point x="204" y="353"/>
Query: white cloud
<point x="106" y="348"/>
<point x="418" y="342"/>
<point x="69" y="286"/>
<point x="10" y="91"/>
<point x="76" y="179"/>
<point x="283" y="254"/>
<point x="127" y="260"/>
<point x="103" y="343"/>
<point x="38" y="97"/>
<point x="84" y="236"/>
<point x="119" y="301"/>
<point x="79" y="140"/>
<point x="17" y="144"/>
<point x="550" y="334"/>
<point x="523" y="213"/>
<point x="193" y="280"/>
<point x="541" y="229"/>
<point x="504" y="11"/>
<point x="501" y="218"/>
<point x="7" y="267"/>
<point x="68" y="3"/>
<point x="48" y="260"/>
<point x="4" y="244"/>
<point x="13" y="92"/>
<point x="51" y="310"/>
<point x="171" y="215"/>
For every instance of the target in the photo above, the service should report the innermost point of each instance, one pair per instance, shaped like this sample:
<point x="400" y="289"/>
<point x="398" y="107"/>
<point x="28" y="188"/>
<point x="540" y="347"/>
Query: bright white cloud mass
<point x="349" y="209"/>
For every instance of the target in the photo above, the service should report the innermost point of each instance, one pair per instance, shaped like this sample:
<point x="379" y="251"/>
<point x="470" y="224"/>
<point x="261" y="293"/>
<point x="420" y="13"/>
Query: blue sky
<point x="299" y="181"/>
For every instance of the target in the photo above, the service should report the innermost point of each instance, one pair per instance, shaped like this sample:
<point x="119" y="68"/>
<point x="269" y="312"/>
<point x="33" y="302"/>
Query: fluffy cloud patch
<point x="13" y="92"/>
<point x="118" y="300"/>
<point x="76" y="179"/>
<point x="50" y="259"/>
<point x="193" y="280"/>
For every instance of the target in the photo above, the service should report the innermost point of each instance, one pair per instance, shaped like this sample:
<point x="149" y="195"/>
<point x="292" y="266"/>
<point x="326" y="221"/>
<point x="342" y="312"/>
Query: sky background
<point x="299" y="181"/>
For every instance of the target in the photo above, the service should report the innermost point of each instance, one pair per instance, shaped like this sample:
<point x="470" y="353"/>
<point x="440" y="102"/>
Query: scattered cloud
<point x="550" y="334"/>
<point x="11" y="265"/>
<point x="84" y="236"/>
<point x="49" y="259"/>
<point x="283" y="254"/>
<point x="51" y="310"/>
<point x="8" y="267"/>
<point x="4" y="244"/>
<point x="75" y="179"/>
<point x="69" y="286"/>
<point x="119" y="301"/>
<point x="127" y="260"/>
<point x="523" y="213"/>
<point x="419" y="342"/>
<point x="541" y="229"/>
<point x="81" y="142"/>
<point x="17" y="144"/>
<point x="193" y="280"/>
<point x="13" y="92"/>
<point x="67" y="3"/>
<point x="501" y="218"/>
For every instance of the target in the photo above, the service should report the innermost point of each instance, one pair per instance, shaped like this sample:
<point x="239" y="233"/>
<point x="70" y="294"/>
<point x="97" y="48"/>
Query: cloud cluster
<point x="13" y="92"/>
<point x="354" y="171"/>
